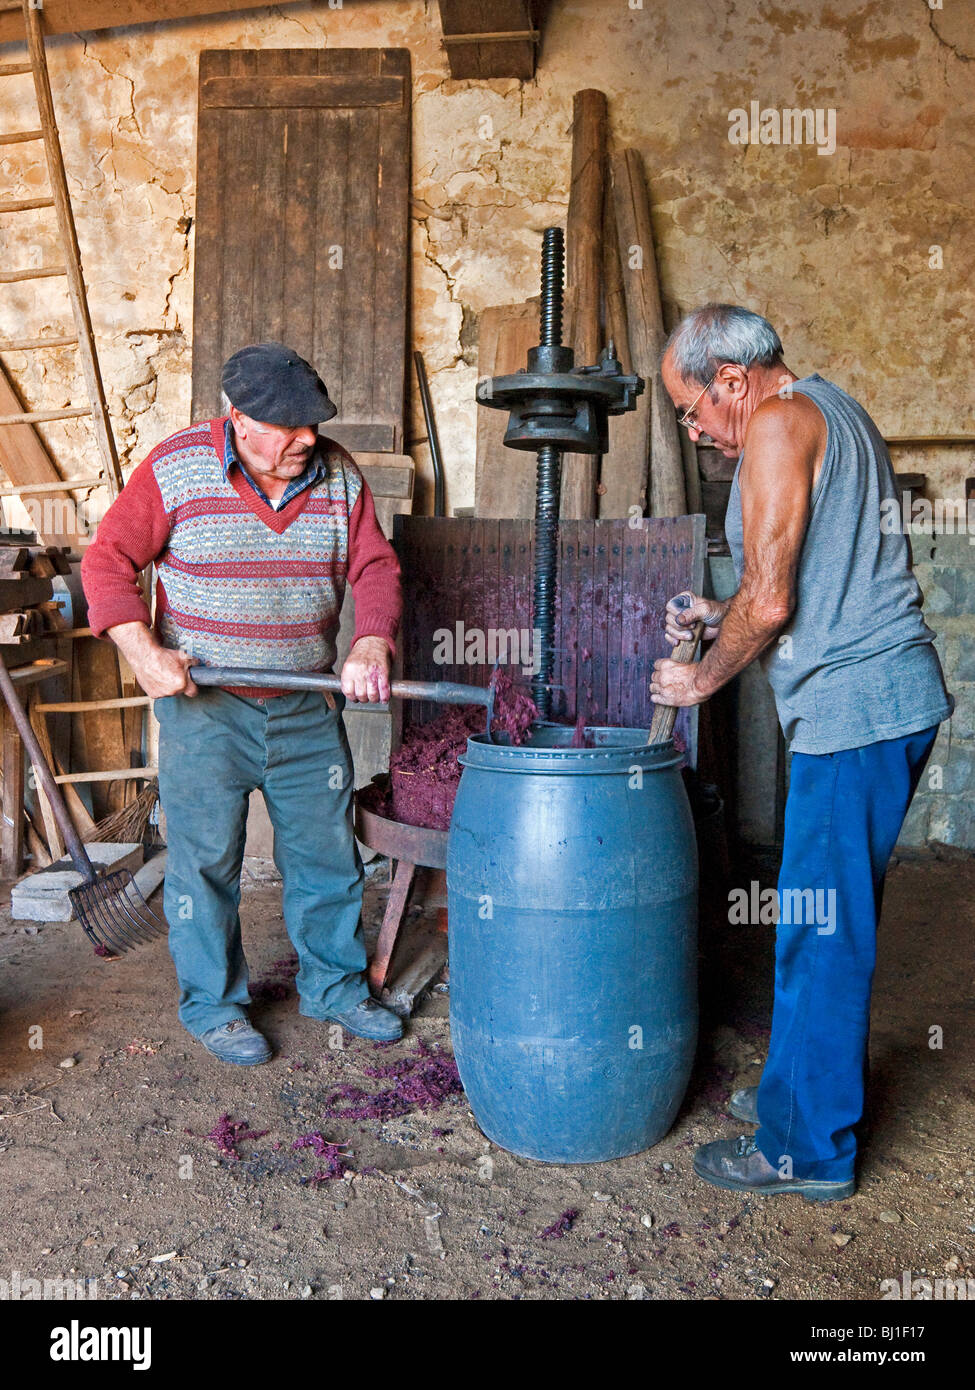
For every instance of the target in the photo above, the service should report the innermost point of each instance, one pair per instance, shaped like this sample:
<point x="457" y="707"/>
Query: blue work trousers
<point x="843" y="814"/>
<point x="214" y="749"/>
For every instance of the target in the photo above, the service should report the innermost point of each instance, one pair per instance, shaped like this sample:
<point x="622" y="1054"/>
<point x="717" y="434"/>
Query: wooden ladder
<point x="83" y="340"/>
<point x="60" y="200"/>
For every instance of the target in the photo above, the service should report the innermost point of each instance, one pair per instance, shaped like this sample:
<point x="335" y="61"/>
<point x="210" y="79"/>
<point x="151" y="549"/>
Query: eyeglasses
<point x="687" y="419"/>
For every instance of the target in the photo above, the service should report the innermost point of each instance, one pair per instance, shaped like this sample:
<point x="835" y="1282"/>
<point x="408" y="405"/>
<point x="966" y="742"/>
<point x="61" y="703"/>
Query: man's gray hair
<point x="708" y="337"/>
<point x="225" y="403"/>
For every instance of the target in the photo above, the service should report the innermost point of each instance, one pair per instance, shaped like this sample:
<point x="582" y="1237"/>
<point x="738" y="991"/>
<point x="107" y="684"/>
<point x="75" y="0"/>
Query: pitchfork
<point x="108" y="905"/>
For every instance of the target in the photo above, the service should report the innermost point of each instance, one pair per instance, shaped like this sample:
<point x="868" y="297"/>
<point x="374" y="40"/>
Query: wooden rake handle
<point x="664" y="716"/>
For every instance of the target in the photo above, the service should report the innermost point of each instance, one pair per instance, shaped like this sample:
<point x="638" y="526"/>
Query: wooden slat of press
<point x="445" y="605"/>
<point x="408" y="549"/>
<point x="457" y="602"/>
<point x="614" y="625"/>
<point x="523" y="533"/>
<point x="495" y="613"/>
<point x="626" y="585"/>
<point x="600" y="616"/>
<point x="567" y="635"/>
<point x="488" y="609"/>
<point x="585" y="689"/>
<point x="634" y="661"/>
<point x="519" y="539"/>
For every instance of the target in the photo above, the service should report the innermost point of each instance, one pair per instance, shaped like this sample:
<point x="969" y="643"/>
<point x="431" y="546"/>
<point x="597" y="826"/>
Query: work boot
<point x="367" y="1019"/>
<point x="738" y="1164"/>
<point x="237" y="1042"/>
<point x="744" y="1105"/>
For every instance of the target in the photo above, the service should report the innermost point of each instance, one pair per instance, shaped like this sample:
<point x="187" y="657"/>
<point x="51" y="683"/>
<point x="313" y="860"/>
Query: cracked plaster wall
<point x="834" y="250"/>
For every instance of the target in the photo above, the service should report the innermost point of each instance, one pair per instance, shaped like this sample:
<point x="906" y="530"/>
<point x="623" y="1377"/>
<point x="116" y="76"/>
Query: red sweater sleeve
<point x="373" y="574"/>
<point x="133" y="533"/>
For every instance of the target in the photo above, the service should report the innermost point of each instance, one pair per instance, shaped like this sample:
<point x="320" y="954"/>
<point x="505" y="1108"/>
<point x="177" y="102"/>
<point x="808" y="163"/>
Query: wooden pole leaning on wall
<point x="668" y="495"/>
<point x="584" y="274"/>
<point x="623" y="471"/>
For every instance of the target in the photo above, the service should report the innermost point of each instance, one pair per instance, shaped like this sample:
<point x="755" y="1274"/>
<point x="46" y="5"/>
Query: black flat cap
<point x="270" y="382"/>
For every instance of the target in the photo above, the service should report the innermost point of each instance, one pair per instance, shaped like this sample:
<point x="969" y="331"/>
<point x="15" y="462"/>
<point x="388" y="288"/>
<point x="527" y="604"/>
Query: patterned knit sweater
<point x="238" y="583"/>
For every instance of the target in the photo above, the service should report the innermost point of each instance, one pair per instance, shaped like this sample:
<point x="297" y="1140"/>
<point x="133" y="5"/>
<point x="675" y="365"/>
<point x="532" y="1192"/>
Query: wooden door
<point x="302" y="224"/>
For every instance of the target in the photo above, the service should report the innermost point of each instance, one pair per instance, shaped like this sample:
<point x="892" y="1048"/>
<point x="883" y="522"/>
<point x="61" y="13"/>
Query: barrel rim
<point x="566" y="761"/>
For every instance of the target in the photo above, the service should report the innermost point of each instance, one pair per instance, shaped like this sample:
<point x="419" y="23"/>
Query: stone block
<point x="43" y="896"/>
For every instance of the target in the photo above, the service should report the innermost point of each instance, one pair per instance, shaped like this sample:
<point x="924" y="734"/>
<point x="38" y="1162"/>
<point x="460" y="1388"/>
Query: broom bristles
<point x="129" y="824"/>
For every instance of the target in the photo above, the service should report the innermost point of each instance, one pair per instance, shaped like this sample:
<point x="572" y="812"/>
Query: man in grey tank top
<point x="827" y="602"/>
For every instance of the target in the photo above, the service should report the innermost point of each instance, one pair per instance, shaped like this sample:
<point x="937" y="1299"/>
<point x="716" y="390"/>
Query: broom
<point x="128" y="825"/>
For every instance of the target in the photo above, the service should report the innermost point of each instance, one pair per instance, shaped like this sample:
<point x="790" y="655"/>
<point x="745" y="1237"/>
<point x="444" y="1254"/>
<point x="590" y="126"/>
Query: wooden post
<point x="623" y="473"/>
<point x="12" y="831"/>
<point x="667" y="493"/>
<point x="583" y="274"/>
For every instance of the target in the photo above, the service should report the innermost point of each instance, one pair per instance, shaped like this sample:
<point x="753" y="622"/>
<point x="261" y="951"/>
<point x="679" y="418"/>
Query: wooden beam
<point x="115" y="774"/>
<point x="72" y="16"/>
<point x="623" y="471"/>
<point x="668" y="495"/>
<point x="12" y="805"/>
<point x="321" y="92"/>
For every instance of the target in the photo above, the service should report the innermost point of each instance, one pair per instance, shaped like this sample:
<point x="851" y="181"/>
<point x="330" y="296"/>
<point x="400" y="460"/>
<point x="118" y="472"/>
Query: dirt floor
<point x="107" y="1173"/>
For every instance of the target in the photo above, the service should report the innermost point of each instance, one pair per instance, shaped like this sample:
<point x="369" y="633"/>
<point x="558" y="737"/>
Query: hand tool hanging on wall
<point x="109" y="906"/>
<point x="436" y="457"/>
<point x="556" y="407"/>
<point x="440" y="692"/>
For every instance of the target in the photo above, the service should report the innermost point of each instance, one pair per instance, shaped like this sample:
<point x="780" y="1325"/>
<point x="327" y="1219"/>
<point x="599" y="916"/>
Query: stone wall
<point x="943" y="810"/>
<point x="836" y="248"/>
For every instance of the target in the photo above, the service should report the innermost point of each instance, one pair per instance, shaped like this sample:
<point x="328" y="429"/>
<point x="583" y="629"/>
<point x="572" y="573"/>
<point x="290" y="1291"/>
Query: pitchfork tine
<point x="95" y="929"/>
<point x="111" y="905"/>
<point x="139" y="912"/>
<point x="109" y="910"/>
<point x="127" y="903"/>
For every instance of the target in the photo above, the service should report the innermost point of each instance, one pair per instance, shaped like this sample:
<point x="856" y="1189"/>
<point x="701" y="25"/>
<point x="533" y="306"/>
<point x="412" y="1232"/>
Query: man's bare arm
<point x="782" y="448"/>
<point x="159" y="670"/>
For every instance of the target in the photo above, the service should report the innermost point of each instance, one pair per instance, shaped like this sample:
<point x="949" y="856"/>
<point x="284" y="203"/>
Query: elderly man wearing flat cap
<point x="255" y="524"/>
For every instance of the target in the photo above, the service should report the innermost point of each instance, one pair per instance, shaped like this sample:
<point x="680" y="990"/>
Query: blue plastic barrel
<point x="572" y="920"/>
